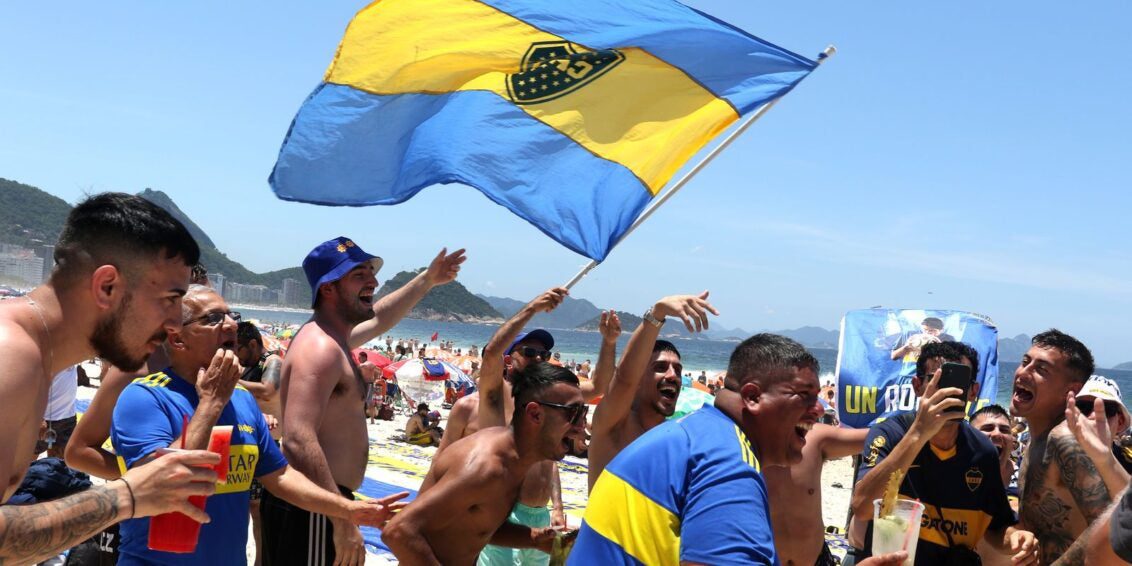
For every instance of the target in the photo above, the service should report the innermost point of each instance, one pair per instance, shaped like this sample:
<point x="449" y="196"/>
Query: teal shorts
<point x="493" y="555"/>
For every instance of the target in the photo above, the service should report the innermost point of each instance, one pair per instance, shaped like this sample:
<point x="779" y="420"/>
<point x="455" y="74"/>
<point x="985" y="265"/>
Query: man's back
<point x="695" y="492"/>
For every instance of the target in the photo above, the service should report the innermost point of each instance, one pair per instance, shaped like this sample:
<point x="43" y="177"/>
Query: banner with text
<point x="877" y="357"/>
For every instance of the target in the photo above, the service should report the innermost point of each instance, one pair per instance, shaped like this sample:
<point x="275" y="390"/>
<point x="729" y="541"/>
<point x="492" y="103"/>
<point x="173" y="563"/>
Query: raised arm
<point x="610" y="329"/>
<point x="456" y="425"/>
<point x="491" y="372"/>
<point x="394" y="306"/>
<point x="268" y="386"/>
<point x="215" y="385"/>
<point x="1093" y="435"/>
<point x="84" y="450"/>
<point x="614" y="407"/>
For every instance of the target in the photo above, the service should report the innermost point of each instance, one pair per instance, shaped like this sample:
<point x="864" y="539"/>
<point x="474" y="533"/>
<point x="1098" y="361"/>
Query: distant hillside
<point x="451" y="302"/>
<point x="1126" y="366"/>
<point x="812" y="336"/>
<point x="1012" y="349"/>
<point x="569" y="314"/>
<point x="29" y="216"/>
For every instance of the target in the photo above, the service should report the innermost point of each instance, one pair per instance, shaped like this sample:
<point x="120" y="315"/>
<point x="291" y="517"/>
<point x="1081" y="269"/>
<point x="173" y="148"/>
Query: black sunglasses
<point x="214" y="318"/>
<point x="529" y="352"/>
<point x="1111" y="409"/>
<point x="577" y="412"/>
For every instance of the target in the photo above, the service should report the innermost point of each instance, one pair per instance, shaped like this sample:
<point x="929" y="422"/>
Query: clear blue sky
<point x="966" y="155"/>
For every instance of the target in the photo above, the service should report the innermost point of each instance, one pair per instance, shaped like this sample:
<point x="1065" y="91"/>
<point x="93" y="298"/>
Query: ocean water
<point x="697" y="355"/>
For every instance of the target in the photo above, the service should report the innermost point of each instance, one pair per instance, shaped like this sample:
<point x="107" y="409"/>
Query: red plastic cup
<point x="221" y="443"/>
<point x="175" y="532"/>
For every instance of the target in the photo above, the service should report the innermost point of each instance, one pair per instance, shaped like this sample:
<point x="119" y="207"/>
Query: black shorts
<point x="296" y="536"/>
<point x="826" y="557"/>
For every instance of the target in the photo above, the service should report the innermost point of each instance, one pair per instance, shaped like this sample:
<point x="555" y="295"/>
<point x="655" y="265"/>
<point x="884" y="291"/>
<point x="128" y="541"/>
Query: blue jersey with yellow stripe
<point x="149" y="415"/>
<point x="689" y="489"/>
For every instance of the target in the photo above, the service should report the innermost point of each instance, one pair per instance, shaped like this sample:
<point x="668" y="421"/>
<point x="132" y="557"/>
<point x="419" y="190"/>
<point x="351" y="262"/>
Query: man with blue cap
<point x="323" y="394"/>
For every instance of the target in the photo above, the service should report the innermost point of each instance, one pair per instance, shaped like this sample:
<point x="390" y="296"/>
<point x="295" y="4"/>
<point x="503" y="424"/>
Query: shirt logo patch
<point x="246" y="428"/>
<point x="974" y="479"/>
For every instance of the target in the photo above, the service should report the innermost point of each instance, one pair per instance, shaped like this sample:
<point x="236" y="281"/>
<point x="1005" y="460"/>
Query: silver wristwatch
<point x="649" y="318"/>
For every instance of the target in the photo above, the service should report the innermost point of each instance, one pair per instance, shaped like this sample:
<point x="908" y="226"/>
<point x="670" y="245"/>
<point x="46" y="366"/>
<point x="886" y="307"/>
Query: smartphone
<point x="956" y="375"/>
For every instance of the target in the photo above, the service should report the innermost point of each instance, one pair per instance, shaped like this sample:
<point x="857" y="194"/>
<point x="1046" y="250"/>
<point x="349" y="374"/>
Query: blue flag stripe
<point x="349" y="148"/>
<point x="729" y="62"/>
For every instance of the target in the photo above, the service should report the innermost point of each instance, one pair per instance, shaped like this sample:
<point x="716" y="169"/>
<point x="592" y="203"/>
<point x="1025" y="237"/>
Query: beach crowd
<point x="737" y="481"/>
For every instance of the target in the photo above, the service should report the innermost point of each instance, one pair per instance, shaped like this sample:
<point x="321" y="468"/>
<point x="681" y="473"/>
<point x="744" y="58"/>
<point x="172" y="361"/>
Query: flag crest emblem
<point x="552" y="69"/>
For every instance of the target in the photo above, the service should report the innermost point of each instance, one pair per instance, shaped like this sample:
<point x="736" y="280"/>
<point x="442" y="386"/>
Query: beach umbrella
<point x="690" y="400"/>
<point x="416" y="379"/>
<point x="373" y="356"/>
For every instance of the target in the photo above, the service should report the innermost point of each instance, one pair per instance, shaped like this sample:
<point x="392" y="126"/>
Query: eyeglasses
<point x="214" y="318"/>
<point x="529" y="352"/>
<point x="1111" y="409"/>
<point x="577" y="412"/>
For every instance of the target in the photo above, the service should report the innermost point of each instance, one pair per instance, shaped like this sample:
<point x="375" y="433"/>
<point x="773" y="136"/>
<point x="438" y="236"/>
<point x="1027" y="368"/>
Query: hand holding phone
<point x="958" y="376"/>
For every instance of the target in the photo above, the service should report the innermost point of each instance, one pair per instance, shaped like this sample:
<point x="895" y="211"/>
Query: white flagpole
<point x="825" y="54"/>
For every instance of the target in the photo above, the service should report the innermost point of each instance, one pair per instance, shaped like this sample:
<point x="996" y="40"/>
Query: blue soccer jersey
<point x="689" y="489"/>
<point x="149" y="415"/>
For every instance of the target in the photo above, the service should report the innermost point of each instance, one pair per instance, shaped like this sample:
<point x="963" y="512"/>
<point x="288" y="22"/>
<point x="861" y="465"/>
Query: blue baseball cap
<point x="536" y="334"/>
<point x="332" y="259"/>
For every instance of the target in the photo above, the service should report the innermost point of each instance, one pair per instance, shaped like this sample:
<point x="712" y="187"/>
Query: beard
<point x="354" y="312"/>
<point x="110" y="345"/>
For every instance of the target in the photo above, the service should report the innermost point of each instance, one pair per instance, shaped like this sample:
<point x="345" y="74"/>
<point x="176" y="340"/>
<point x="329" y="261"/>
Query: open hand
<point x="349" y="546"/>
<point x="377" y="512"/>
<point x="1023" y="548"/>
<point x="1091" y="432"/>
<point x="444" y="267"/>
<point x="692" y="309"/>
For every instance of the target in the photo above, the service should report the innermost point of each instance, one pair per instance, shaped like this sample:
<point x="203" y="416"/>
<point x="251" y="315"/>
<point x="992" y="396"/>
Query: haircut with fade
<point x="765" y="359"/>
<point x="950" y="352"/>
<point x="664" y="346"/>
<point x="992" y="411"/>
<point x="1080" y="358"/>
<point x="537" y="377"/>
<point x="119" y="229"/>
<point x="246" y="332"/>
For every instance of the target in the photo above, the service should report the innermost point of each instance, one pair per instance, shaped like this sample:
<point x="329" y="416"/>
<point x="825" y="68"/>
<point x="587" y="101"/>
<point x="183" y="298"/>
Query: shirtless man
<point x="323" y="394"/>
<point x="122" y="266"/>
<point x="1062" y="491"/>
<point x="542" y="484"/>
<point x="795" y="495"/>
<point x="470" y="490"/>
<point x="419" y="430"/>
<point x="261" y="371"/>
<point x="645" y="388"/>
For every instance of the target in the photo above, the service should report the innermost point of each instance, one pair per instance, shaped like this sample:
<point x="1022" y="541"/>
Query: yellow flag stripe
<point x="644" y="114"/>
<point x="628" y="518"/>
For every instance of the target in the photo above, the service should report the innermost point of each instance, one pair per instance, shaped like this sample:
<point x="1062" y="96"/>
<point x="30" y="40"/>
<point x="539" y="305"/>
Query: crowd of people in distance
<point x="737" y="481"/>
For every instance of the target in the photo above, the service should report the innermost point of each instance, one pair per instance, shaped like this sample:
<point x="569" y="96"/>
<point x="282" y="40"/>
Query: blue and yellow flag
<point x="570" y="113"/>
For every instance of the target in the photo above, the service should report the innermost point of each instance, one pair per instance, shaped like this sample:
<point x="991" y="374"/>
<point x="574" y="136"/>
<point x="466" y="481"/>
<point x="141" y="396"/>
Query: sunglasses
<point x="1111" y="409"/>
<point x="214" y="318"/>
<point x="577" y="412"/>
<point x="529" y="352"/>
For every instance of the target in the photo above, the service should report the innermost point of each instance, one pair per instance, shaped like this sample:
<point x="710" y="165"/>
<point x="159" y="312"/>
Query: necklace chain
<point x="43" y="319"/>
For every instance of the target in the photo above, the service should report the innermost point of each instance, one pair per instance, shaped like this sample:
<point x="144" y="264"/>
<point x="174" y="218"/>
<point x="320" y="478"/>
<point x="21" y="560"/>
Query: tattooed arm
<point x="1093" y="546"/>
<point x="1084" y="484"/>
<point x="29" y="534"/>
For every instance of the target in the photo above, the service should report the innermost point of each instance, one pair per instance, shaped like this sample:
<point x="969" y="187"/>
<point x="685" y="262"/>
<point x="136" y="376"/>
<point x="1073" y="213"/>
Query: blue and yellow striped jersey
<point x="690" y="489"/>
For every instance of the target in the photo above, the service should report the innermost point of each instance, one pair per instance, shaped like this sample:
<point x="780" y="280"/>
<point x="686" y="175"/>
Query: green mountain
<point x="451" y="302"/>
<point x="29" y="216"/>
